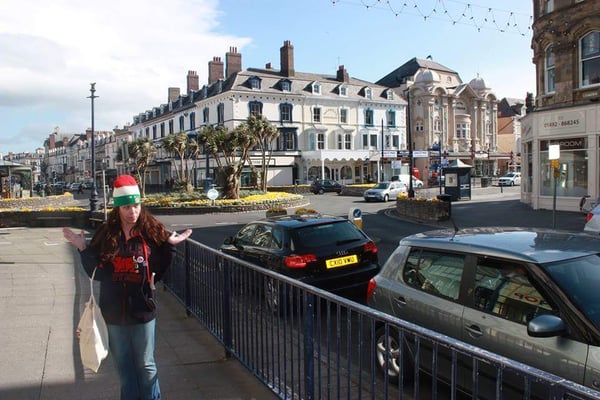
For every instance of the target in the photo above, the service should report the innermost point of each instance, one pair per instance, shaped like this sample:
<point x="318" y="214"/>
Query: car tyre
<point x="321" y="191"/>
<point x="389" y="352"/>
<point x="386" y="198"/>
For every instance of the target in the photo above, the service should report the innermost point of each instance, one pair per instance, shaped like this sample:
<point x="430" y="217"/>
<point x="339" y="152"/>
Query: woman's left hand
<point x="177" y="238"/>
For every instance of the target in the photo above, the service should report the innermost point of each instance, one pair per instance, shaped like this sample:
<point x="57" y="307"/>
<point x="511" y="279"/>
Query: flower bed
<point x="423" y="209"/>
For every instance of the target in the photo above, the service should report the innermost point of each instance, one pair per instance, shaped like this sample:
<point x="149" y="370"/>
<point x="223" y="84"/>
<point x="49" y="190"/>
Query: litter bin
<point x="485" y="181"/>
<point x="447" y="198"/>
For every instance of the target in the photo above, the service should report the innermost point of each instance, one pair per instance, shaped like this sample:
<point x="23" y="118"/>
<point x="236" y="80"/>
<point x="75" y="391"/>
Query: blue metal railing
<point x="305" y="343"/>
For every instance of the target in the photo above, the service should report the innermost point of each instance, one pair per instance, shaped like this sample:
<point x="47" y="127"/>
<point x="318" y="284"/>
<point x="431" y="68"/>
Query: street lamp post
<point x="94" y="192"/>
<point x="411" y="190"/>
<point x="382" y="153"/>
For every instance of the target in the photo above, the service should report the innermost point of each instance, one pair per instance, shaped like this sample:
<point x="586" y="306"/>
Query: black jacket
<point x="125" y="294"/>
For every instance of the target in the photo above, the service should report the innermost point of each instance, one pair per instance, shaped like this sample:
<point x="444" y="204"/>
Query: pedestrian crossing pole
<point x="554" y="156"/>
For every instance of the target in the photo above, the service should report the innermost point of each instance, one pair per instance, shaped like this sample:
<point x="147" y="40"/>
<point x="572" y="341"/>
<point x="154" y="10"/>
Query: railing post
<point x="309" y="361"/>
<point x="187" y="295"/>
<point x="227" y="313"/>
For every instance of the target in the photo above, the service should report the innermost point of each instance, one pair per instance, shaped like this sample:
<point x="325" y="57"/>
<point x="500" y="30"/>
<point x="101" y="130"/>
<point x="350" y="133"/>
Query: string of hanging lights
<point x="454" y="12"/>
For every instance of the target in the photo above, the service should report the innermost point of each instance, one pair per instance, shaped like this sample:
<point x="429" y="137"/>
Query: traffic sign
<point x="212" y="194"/>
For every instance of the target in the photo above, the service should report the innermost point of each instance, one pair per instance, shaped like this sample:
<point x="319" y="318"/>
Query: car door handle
<point x="400" y="300"/>
<point x="474" y="330"/>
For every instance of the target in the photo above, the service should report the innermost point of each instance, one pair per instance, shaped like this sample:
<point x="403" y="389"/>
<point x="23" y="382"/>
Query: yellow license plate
<point x="341" y="261"/>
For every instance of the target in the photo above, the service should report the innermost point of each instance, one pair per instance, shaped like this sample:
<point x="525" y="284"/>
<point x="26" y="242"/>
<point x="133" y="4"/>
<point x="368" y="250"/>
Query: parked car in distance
<point x="417" y="183"/>
<point x="330" y="253"/>
<point x="385" y="191"/>
<point x="510" y="179"/>
<point x="73" y="187"/>
<point x="87" y="185"/>
<point x="592" y="220"/>
<point x="527" y="294"/>
<point x="320" y="186"/>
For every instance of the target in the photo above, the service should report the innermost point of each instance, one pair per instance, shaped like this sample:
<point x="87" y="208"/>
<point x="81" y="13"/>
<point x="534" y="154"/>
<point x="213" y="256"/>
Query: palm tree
<point x="230" y="151"/>
<point x="142" y="150"/>
<point x="193" y="149"/>
<point x="263" y="133"/>
<point x="176" y="143"/>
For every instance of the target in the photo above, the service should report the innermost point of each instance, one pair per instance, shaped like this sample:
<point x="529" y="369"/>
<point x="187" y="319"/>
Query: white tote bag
<point x="93" y="335"/>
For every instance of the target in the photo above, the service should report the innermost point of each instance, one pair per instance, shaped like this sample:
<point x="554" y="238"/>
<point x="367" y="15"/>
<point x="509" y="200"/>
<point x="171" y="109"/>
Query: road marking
<point x="182" y="224"/>
<point x="54" y="243"/>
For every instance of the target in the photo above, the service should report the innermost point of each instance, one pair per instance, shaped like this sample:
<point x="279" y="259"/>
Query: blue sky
<point x="52" y="51"/>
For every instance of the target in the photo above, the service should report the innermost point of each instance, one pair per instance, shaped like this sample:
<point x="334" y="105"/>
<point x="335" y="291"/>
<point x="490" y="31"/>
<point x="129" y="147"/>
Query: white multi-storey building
<point x="330" y="126"/>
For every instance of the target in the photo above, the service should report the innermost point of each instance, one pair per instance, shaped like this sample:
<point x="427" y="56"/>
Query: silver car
<point x="531" y="295"/>
<point x="385" y="191"/>
<point x="510" y="179"/>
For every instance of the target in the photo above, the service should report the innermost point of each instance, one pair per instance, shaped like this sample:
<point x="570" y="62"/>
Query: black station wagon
<point x="330" y="253"/>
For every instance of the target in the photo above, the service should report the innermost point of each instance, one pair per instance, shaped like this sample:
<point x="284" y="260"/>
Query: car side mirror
<point x="228" y="240"/>
<point x="546" y="325"/>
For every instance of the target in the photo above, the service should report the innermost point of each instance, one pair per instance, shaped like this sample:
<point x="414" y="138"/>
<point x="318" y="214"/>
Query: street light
<point x="94" y="193"/>
<point x="411" y="190"/>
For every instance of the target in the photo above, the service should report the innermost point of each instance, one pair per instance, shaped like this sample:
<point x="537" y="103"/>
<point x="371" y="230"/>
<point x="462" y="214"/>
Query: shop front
<point x="576" y="131"/>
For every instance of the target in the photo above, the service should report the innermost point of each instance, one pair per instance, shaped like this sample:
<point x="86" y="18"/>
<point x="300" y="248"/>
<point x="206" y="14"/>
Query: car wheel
<point x="512" y="183"/>
<point x="386" y="198"/>
<point x="321" y="191"/>
<point x="272" y="299"/>
<point x="393" y="358"/>
<point x="278" y="296"/>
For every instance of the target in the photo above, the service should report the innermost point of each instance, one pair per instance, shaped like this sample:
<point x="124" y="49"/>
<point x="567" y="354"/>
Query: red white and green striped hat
<point x="126" y="191"/>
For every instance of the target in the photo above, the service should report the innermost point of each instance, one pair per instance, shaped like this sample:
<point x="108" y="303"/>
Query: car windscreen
<point x="579" y="279"/>
<point x="381" y="186"/>
<point x="330" y="234"/>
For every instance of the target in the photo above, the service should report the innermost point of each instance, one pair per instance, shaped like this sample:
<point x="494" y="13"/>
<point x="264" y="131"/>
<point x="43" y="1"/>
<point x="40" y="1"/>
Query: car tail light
<point x="371" y="247"/>
<point x="371" y="288"/>
<point x="588" y="217"/>
<point x="299" y="261"/>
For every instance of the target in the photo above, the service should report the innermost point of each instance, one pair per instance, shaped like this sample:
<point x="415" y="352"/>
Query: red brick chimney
<point x="342" y="74"/>
<point x="51" y="141"/>
<point x="215" y="70"/>
<point x="233" y="61"/>
<point x="193" y="83"/>
<point x="268" y="66"/>
<point x="287" y="58"/>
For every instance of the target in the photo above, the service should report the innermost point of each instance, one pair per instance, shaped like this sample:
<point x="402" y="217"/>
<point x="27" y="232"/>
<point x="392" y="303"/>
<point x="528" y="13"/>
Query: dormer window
<point x="254" y="82"/>
<point x="343" y="90"/>
<point x="368" y="93"/>
<point x="286" y="85"/>
<point x="316" y="88"/>
<point x="390" y="94"/>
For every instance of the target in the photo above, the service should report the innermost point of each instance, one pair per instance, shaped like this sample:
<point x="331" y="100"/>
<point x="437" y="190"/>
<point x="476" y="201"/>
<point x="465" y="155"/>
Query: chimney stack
<point x="287" y="58"/>
<point x="193" y="83"/>
<point x="233" y="61"/>
<point x="215" y="70"/>
<point x="268" y="66"/>
<point x="174" y="93"/>
<point x="342" y="74"/>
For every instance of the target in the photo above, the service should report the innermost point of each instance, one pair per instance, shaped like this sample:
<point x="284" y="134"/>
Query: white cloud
<point x="134" y="50"/>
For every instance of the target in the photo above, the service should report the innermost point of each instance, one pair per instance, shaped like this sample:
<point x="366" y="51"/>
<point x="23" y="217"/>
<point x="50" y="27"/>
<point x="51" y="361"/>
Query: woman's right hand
<point x="77" y="239"/>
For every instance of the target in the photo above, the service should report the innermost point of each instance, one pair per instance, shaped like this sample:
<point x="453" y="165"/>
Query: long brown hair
<point x="107" y="236"/>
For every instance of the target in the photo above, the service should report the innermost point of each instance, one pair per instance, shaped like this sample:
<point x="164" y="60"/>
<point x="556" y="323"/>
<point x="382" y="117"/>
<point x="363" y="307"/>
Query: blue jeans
<point x="132" y="348"/>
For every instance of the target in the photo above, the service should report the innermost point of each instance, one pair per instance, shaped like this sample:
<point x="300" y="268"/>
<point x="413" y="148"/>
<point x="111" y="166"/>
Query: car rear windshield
<point x="579" y="278"/>
<point x="330" y="234"/>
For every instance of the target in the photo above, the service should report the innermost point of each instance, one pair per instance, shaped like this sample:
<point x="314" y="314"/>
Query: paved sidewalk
<point x="42" y="292"/>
